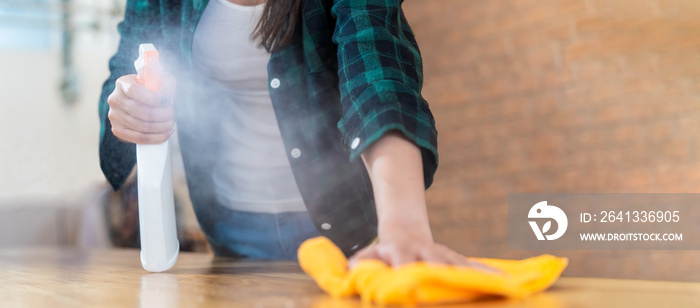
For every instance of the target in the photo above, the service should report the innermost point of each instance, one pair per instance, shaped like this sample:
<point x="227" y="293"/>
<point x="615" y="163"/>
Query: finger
<point x="120" y="117"/>
<point x="128" y="135"/>
<point x="139" y="110"/>
<point x="458" y="259"/>
<point x="434" y="256"/>
<point x="366" y="253"/>
<point x="455" y="258"/>
<point x="396" y="257"/>
<point x="137" y="91"/>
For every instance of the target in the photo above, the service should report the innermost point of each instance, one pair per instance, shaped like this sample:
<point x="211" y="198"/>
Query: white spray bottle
<point x="159" y="244"/>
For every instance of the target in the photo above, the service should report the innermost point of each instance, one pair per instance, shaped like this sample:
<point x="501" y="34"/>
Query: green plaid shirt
<point x="352" y="72"/>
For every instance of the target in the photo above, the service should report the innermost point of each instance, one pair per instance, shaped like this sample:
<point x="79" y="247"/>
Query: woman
<point x="276" y="102"/>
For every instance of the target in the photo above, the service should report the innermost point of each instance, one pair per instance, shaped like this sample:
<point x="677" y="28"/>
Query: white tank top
<point x="253" y="172"/>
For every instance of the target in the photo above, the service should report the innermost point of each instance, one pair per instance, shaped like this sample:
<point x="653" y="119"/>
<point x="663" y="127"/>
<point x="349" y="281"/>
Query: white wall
<point x="48" y="149"/>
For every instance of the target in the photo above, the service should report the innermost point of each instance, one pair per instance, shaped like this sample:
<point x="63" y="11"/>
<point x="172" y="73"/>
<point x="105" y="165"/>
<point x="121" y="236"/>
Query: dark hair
<point x="277" y="23"/>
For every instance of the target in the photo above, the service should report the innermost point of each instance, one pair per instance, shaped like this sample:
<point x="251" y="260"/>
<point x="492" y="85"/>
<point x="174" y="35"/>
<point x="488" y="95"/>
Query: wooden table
<point x="114" y="278"/>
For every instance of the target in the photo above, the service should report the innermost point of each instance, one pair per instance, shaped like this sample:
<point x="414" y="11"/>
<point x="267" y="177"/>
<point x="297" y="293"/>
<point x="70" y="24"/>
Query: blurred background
<point x="529" y="96"/>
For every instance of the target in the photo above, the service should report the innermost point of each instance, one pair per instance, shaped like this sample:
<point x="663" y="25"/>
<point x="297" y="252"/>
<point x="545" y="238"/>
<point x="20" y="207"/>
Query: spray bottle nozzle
<point x="148" y="67"/>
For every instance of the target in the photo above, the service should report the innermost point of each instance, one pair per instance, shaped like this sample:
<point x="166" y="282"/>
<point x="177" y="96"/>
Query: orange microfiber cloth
<point x="422" y="283"/>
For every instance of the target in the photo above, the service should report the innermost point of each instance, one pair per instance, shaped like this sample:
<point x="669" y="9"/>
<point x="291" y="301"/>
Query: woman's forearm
<point x="395" y="167"/>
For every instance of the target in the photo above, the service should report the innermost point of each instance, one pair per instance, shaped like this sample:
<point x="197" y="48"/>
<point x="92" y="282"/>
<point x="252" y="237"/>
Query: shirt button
<point x="355" y="143"/>
<point x="326" y="226"/>
<point x="275" y="83"/>
<point x="296" y="152"/>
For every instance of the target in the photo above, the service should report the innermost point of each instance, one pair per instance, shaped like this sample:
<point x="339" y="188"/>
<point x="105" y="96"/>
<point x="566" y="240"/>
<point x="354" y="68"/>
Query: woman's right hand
<point x="140" y="115"/>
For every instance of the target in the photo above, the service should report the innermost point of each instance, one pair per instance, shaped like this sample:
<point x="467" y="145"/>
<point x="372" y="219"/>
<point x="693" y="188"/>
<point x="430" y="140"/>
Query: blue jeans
<point x="234" y="233"/>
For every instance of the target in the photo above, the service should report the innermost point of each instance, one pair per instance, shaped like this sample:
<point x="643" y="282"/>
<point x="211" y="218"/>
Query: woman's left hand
<point x="403" y="247"/>
<point x="395" y="168"/>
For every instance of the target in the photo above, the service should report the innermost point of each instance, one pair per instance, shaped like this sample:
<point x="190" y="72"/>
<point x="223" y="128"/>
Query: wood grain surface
<point x="114" y="278"/>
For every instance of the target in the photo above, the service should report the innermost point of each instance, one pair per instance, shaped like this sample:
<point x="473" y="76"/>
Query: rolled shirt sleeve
<point x="380" y="79"/>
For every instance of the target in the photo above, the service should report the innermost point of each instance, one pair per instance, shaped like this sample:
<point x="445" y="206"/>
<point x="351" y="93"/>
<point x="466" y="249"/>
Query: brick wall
<point x="560" y="96"/>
